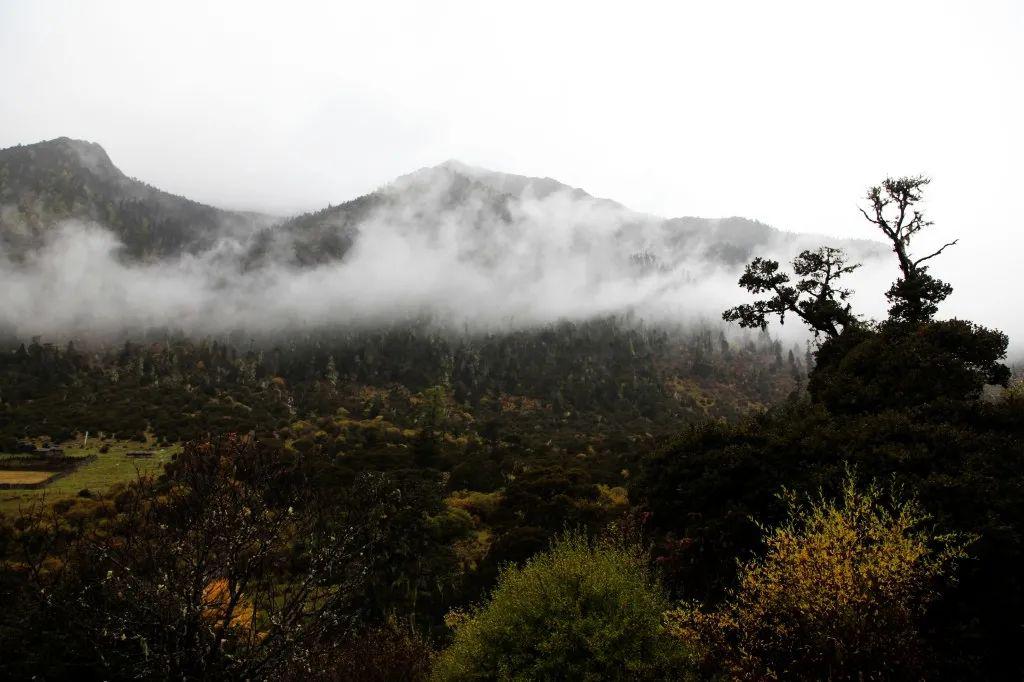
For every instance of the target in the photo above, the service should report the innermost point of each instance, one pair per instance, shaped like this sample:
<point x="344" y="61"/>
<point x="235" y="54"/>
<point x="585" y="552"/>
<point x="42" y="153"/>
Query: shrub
<point x="1015" y="392"/>
<point x="839" y="594"/>
<point x="581" y="610"/>
<point x="477" y="503"/>
<point x="389" y="652"/>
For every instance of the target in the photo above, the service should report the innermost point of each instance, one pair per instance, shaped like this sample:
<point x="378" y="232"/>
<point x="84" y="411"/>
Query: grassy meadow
<point x="113" y="466"/>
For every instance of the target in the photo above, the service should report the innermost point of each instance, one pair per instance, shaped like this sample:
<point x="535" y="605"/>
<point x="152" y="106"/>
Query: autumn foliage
<point x="839" y="593"/>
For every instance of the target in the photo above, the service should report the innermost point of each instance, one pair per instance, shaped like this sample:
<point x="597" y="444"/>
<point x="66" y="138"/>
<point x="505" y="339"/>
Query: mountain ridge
<point x="44" y="183"/>
<point x="47" y="182"/>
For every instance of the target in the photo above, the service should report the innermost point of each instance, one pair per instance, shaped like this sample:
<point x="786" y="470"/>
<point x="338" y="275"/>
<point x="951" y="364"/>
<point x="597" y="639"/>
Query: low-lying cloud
<point x="458" y="253"/>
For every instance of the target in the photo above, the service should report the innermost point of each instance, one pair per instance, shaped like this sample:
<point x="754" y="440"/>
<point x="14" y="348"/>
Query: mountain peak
<point x="64" y="178"/>
<point x="509" y="183"/>
<point x="90" y="155"/>
<point x="72" y="143"/>
<point x="458" y="166"/>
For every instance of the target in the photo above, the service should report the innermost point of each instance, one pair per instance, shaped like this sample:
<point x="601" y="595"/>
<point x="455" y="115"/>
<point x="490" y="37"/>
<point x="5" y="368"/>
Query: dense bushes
<point x="228" y="567"/>
<point x="892" y="366"/>
<point x="581" y="610"/>
<point x="964" y="463"/>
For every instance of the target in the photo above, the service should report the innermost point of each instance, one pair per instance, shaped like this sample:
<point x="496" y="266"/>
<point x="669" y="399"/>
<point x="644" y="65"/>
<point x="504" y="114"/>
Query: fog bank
<point x="463" y="248"/>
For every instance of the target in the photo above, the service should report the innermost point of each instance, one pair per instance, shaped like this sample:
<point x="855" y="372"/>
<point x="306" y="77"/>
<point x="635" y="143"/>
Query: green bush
<point x="582" y="610"/>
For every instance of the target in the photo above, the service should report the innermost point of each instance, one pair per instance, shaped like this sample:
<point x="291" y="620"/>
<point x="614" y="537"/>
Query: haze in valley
<point x="781" y="115"/>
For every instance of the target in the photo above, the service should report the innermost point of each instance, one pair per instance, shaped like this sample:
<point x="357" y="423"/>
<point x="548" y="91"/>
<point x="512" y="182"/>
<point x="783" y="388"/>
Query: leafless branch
<point x="933" y="255"/>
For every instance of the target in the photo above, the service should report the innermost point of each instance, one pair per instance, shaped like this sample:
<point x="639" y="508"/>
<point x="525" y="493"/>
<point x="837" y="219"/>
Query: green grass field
<point x="108" y="468"/>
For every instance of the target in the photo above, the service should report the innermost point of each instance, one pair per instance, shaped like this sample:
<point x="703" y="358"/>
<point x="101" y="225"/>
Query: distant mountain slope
<point x="518" y="185"/>
<point x="495" y="215"/>
<point x="463" y="246"/>
<point x="44" y="183"/>
<point x="480" y="217"/>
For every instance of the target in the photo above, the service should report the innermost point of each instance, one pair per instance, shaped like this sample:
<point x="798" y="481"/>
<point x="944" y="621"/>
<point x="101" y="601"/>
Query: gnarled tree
<point x="815" y="297"/>
<point x="908" y="359"/>
<point x="915" y="296"/>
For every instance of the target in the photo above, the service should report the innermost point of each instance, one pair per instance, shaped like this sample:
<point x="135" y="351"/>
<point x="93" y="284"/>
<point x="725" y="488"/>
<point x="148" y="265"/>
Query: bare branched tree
<point x="915" y="296"/>
<point x="225" y="568"/>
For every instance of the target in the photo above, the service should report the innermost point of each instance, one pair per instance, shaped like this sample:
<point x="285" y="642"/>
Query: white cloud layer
<point x="470" y="262"/>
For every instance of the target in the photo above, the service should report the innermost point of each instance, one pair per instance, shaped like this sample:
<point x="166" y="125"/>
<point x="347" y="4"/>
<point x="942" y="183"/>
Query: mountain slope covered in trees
<point x="44" y="183"/>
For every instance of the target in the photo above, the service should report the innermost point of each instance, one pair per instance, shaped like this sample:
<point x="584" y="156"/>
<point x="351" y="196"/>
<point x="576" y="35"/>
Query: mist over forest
<point x="467" y="248"/>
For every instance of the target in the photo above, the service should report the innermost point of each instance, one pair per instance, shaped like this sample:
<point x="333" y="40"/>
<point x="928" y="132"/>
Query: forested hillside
<point x="48" y="182"/>
<point x="605" y="376"/>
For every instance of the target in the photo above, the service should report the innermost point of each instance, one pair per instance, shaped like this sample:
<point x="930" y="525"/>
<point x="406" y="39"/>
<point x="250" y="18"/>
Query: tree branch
<point x="944" y="247"/>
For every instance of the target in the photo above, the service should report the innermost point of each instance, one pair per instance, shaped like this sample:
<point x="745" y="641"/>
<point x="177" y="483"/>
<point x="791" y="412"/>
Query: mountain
<point x="517" y="185"/>
<point x="492" y="216"/>
<point x="45" y="183"/>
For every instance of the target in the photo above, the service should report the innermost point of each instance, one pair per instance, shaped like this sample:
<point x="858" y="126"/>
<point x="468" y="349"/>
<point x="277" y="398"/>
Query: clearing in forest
<point x="25" y="477"/>
<point x="97" y="475"/>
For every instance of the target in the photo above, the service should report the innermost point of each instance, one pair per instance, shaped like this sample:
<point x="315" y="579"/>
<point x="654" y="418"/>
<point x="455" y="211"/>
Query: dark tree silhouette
<point x="815" y="298"/>
<point x="910" y="358"/>
<point x="915" y="296"/>
<point x="907" y="359"/>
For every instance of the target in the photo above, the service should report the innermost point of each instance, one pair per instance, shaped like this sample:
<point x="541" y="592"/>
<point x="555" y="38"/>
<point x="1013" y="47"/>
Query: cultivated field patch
<point x="25" y="478"/>
<point x="107" y="463"/>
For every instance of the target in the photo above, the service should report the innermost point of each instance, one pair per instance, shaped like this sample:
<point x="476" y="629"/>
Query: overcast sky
<point x="780" y="111"/>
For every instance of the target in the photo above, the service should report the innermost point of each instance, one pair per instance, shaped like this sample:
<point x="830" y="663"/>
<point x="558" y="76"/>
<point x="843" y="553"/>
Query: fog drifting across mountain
<point x="460" y="246"/>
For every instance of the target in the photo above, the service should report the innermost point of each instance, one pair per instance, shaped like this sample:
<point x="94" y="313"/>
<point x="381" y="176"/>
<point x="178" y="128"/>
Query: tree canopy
<point x="816" y="297"/>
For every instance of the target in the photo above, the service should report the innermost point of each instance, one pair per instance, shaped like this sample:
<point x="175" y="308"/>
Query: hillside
<point x="44" y="183"/>
<point x="489" y="213"/>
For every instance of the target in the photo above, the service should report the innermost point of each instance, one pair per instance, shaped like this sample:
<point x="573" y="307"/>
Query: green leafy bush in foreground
<point x="584" y="610"/>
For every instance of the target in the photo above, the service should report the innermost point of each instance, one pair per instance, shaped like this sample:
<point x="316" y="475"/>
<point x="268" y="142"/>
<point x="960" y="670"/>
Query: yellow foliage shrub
<point x="612" y="497"/>
<point x="218" y="606"/>
<point x="838" y="594"/>
<point x="476" y="503"/>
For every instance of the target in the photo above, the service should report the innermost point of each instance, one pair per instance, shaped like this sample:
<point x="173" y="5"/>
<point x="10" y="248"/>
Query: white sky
<point x="780" y="111"/>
